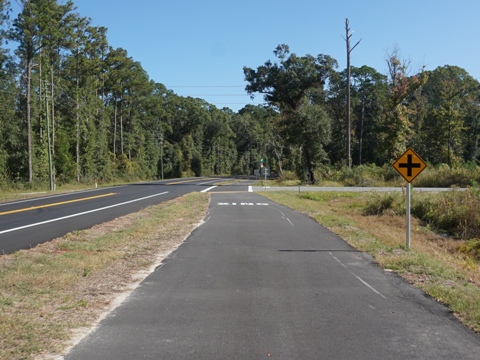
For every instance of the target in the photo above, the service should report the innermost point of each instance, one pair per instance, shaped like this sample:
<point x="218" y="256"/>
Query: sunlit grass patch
<point x="327" y="195"/>
<point x="472" y="248"/>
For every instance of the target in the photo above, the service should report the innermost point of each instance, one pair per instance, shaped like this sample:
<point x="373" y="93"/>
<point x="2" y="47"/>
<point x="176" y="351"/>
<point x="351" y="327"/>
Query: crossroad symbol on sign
<point x="409" y="165"/>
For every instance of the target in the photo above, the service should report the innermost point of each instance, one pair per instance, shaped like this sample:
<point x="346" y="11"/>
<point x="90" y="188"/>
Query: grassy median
<point x="59" y="289"/>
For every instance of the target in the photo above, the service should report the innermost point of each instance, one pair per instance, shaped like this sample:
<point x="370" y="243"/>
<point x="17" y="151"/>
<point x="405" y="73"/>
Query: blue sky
<point x="199" y="47"/>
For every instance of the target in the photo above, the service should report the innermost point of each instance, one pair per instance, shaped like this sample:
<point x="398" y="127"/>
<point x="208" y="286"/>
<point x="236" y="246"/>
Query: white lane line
<point x="283" y="215"/>
<point x="79" y="214"/>
<point x="208" y="189"/>
<point x="358" y="277"/>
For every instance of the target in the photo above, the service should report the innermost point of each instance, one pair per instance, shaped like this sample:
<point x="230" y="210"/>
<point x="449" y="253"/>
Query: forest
<point x="74" y="109"/>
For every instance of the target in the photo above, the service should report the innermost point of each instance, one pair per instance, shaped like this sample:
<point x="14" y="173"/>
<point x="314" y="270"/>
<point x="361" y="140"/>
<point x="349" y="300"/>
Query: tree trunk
<point x="52" y="146"/>
<point x="121" y="127"/>
<point x="278" y="151"/>
<point x="53" y="113"/>
<point x="348" y="35"/>
<point x="311" y="174"/>
<point x="77" y="136"/>
<point x="115" y="128"/>
<point x="360" y="135"/>
<point x="349" y="156"/>
<point x="310" y="167"/>
<point x="29" y="124"/>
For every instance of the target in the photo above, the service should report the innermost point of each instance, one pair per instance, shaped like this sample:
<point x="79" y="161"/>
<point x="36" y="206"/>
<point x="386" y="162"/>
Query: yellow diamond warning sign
<point x="409" y="165"/>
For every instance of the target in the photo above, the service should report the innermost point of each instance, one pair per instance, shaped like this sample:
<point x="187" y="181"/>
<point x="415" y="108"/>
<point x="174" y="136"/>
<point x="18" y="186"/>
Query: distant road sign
<point x="409" y="165"/>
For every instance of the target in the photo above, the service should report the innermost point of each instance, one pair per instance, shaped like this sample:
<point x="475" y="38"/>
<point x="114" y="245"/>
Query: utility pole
<point x="49" y="145"/>
<point x="161" y="153"/>
<point x="347" y="37"/>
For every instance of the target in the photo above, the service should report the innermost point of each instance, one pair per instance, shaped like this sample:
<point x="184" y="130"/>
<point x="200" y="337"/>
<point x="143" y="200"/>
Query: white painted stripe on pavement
<point x="358" y="277"/>
<point x="208" y="189"/>
<point x="79" y="214"/>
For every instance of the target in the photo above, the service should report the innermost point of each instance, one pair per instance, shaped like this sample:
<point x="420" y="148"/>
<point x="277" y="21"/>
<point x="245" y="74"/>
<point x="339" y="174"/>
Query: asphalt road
<point x="259" y="281"/>
<point x="27" y="223"/>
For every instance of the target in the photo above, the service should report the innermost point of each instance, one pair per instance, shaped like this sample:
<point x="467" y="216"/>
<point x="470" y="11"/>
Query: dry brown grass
<point x="64" y="286"/>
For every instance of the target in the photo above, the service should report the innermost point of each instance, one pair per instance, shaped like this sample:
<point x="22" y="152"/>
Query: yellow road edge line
<point x="55" y="204"/>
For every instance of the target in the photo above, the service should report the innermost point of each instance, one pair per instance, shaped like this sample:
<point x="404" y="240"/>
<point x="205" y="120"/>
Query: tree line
<point x="73" y="108"/>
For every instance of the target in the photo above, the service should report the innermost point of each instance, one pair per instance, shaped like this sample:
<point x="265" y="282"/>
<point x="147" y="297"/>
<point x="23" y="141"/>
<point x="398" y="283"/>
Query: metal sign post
<point x="409" y="165"/>
<point x="264" y="170"/>
<point x="408" y="216"/>
<point x="265" y="181"/>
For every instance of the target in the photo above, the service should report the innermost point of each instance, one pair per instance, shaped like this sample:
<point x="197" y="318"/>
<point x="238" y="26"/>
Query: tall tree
<point x="396" y="127"/>
<point x="370" y="91"/>
<point x="9" y="144"/>
<point x="472" y="125"/>
<point x="308" y="128"/>
<point x="39" y="25"/>
<point x="288" y="85"/>
<point x="84" y="125"/>
<point x="258" y="137"/>
<point x="285" y="84"/>
<point x="449" y="92"/>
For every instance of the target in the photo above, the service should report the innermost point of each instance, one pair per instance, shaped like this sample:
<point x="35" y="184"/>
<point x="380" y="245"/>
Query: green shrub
<point x="444" y="176"/>
<point x="385" y="203"/>
<point x="455" y="212"/>
<point x="472" y="248"/>
<point x="288" y="178"/>
<point x="433" y="176"/>
<point x="359" y="176"/>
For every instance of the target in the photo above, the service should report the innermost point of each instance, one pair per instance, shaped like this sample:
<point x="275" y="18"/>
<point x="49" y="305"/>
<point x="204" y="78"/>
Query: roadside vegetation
<point x="441" y="176"/>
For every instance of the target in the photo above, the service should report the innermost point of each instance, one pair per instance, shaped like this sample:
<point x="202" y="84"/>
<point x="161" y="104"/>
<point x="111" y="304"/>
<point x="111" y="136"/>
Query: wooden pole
<point x="348" y="35"/>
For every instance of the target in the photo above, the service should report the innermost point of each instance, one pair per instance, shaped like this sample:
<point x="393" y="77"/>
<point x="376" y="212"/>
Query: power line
<point x="242" y="103"/>
<point x="205" y="86"/>
<point x="216" y="95"/>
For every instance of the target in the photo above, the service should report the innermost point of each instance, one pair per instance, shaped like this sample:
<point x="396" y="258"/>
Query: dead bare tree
<point x="347" y="37"/>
